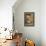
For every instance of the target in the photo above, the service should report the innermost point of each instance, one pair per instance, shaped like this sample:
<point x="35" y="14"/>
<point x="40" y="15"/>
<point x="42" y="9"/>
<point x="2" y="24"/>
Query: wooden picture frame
<point x="29" y="18"/>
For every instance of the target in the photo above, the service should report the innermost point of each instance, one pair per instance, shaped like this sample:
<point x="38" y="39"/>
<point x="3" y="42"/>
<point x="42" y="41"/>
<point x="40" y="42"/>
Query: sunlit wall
<point x="6" y="13"/>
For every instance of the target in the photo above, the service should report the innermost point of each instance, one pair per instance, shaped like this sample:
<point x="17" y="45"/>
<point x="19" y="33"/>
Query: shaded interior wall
<point x="28" y="32"/>
<point x="43" y="22"/>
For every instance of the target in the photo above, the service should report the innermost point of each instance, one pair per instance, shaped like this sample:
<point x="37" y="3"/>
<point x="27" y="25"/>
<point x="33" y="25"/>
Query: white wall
<point x="6" y="13"/>
<point x="29" y="32"/>
<point x="6" y="16"/>
<point x="33" y="5"/>
<point x="43" y="22"/>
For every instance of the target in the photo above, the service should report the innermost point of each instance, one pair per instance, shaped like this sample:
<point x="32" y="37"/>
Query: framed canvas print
<point x="29" y="18"/>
